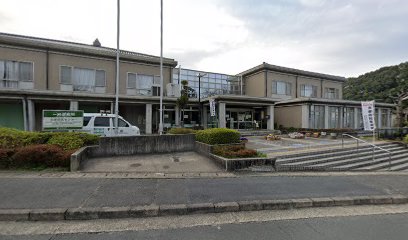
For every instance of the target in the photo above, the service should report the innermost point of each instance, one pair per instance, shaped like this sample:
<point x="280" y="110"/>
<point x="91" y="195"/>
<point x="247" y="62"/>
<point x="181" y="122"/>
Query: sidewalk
<point x="91" y="198"/>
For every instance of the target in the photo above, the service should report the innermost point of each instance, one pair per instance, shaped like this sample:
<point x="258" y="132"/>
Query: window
<point x="334" y="117"/>
<point x="316" y="117"/>
<point x="348" y="117"/>
<point x="308" y="91"/>
<point x="281" y="88"/>
<point x="11" y="72"/>
<point x="142" y="83"/>
<point x="360" y="123"/>
<point x="86" y="121"/>
<point x="384" y="118"/>
<point x="332" y="93"/>
<point x="122" y="123"/>
<point x="101" y="122"/>
<point x="82" y="79"/>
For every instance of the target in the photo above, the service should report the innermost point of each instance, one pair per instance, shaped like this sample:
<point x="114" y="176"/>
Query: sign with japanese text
<point x="212" y="107"/>
<point x="62" y="120"/>
<point x="368" y="110"/>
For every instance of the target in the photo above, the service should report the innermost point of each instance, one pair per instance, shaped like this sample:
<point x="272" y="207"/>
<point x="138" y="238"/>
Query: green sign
<point x="62" y="119"/>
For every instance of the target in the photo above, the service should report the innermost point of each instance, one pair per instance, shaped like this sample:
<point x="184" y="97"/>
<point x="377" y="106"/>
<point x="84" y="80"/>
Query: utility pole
<point x="117" y="71"/>
<point x="199" y="95"/>
<point x="161" y="68"/>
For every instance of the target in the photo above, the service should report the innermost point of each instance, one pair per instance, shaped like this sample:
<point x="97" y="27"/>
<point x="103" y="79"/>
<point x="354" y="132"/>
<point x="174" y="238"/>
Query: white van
<point x="103" y="124"/>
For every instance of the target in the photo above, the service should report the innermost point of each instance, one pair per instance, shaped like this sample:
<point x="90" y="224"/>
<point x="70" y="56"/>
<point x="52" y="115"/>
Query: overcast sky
<point x="339" y="37"/>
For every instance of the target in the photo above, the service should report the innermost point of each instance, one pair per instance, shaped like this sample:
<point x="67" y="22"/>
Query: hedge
<point x="406" y="138"/>
<point x="43" y="155"/>
<point x="21" y="149"/>
<point x="13" y="138"/>
<point x="214" y="136"/>
<point x="181" y="131"/>
<point x="234" y="152"/>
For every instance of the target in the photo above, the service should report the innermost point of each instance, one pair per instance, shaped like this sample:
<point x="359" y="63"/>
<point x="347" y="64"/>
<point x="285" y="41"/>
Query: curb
<point x="59" y="214"/>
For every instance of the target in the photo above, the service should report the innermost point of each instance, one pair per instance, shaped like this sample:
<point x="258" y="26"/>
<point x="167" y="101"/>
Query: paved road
<point x="19" y="193"/>
<point x="373" y="227"/>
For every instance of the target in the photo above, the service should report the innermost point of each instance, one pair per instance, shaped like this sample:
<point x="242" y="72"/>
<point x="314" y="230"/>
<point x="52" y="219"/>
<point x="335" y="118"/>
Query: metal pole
<point x="117" y="70"/>
<point x="199" y="98"/>
<point x="161" y="68"/>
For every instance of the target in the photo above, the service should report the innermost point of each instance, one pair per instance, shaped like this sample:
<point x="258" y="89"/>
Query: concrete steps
<point x="347" y="159"/>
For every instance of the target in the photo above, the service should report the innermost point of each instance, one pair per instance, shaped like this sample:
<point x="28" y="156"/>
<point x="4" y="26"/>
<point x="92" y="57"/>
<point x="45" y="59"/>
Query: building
<point x="38" y="74"/>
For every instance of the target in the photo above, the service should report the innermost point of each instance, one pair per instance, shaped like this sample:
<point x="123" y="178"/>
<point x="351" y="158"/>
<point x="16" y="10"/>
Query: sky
<point x="339" y="37"/>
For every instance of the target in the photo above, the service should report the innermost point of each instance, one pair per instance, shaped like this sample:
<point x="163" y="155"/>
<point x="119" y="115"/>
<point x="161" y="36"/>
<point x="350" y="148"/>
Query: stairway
<point x="348" y="159"/>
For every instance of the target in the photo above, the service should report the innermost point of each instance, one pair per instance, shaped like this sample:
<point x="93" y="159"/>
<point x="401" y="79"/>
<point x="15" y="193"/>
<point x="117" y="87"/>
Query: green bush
<point x="13" y="138"/>
<point x="181" y="131"/>
<point x="43" y="155"/>
<point x="214" y="136"/>
<point x="406" y="138"/>
<point x="238" y="151"/>
<point x="5" y="157"/>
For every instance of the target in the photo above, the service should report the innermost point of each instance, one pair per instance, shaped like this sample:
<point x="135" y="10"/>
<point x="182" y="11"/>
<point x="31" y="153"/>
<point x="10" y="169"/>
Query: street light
<point x="199" y="95"/>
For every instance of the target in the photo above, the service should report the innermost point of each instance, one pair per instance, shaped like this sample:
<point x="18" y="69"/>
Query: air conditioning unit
<point x="173" y="90"/>
<point x="156" y="91"/>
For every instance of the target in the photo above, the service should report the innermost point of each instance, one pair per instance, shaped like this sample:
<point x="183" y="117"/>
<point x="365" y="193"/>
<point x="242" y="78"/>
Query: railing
<point x="373" y="145"/>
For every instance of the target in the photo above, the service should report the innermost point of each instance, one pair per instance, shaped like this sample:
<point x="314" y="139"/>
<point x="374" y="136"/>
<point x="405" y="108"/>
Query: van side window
<point x="101" y="122"/>
<point x="122" y="123"/>
<point x="86" y="121"/>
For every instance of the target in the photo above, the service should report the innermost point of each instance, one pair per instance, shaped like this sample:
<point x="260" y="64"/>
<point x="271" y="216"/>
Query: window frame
<point x="20" y="61"/>
<point x="288" y="85"/>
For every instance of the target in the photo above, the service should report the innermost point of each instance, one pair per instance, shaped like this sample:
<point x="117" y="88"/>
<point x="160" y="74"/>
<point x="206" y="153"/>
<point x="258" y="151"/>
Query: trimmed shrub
<point x="5" y="157"/>
<point x="214" y="136"/>
<point x="181" y="131"/>
<point x="234" y="152"/>
<point x="406" y="138"/>
<point x="13" y="138"/>
<point x="43" y="155"/>
<point x="66" y="141"/>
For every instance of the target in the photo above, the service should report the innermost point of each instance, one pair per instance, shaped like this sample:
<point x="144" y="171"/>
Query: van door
<point x="103" y="126"/>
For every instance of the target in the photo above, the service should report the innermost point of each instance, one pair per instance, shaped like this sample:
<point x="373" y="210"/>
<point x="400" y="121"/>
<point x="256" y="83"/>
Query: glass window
<point x="86" y="121"/>
<point x="332" y="93"/>
<point x="100" y="78"/>
<point x="308" y="90"/>
<point x="83" y="79"/>
<point x="102" y="122"/>
<point x="144" y="84"/>
<point x="384" y="118"/>
<point x="25" y="71"/>
<point x="131" y="81"/>
<point x="334" y="117"/>
<point x="281" y="88"/>
<point x="360" y="123"/>
<point x="66" y="75"/>
<point x="122" y="123"/>
<point x="348" y="117"/>
<point x="317" y="117"/>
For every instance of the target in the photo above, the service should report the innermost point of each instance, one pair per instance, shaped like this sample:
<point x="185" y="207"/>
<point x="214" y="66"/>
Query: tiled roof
<point x="80" y="48"/>
<point x="275" y="68"/>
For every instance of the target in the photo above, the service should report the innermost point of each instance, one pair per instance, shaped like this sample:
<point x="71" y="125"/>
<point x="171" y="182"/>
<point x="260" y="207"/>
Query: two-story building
<point x="38" y="74"/>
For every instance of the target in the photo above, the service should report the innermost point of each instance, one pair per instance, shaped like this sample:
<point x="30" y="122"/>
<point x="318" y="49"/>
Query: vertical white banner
<point x="368" y="111"/>
<point x="212" y="107"/>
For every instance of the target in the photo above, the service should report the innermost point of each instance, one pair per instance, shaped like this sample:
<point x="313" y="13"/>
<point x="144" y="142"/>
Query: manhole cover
<point x="176" y="159"/>
<point x="166" y="167"/>
<point x="135" y="165"/>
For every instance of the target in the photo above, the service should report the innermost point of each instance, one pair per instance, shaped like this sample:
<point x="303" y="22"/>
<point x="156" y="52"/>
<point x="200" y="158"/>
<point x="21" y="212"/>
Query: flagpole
<point x="161" y="68"/>
<point x="117" y="70"/>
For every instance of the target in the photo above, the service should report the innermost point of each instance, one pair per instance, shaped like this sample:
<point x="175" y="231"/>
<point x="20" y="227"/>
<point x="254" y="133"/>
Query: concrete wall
<point x="255" y="85"/>
<point x="117" y="146"/>
<point x="289" y="116"/>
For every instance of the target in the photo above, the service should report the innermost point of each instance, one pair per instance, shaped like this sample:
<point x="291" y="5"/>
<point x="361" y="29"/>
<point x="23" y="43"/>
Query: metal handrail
<point x="373" y="145"/>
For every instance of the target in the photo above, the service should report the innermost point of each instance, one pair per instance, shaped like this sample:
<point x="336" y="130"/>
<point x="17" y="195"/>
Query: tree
<point x="182" y="101"/>
<point x="387" y="84"/>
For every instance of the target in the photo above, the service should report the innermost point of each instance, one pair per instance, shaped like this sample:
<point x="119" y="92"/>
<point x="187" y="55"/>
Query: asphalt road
<point x="18" y="193"/>
<point x="373" y="227"/>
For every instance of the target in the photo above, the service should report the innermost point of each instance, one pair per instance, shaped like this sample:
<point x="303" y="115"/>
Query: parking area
<point x="180" y="162"/>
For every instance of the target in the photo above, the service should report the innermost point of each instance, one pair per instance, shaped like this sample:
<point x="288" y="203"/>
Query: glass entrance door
<point x="240" y="118"/>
